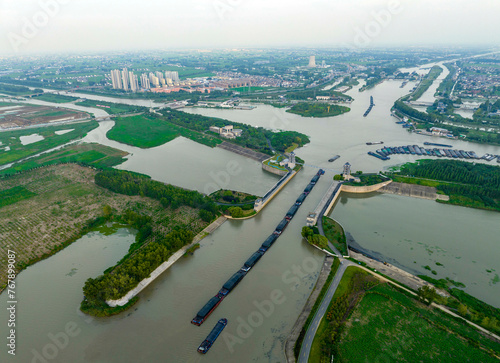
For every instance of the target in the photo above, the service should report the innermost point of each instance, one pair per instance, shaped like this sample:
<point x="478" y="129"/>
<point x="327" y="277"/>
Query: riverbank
<point x="165" y="265"/>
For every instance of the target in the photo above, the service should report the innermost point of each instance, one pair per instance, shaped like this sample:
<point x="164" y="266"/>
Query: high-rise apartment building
<point x="125" y="79"/>
<point x="116" y="79"/>
<point x="134" y="82"/>
<point x="145" y="84"/>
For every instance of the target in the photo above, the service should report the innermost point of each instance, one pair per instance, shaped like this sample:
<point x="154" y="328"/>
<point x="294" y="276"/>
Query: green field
<point x="383" y="328"/>
<point x="14" y="195"/>
<point x="112" y="108"/>
<point x="146" y="131"/>
<point x="95" y="155"/>
<point x="306" y="109"/>
<point x="50" y="97"/>
<point x="369" y="321"/>
<point x="51" y="139"/>
<point x="335" y="234"/>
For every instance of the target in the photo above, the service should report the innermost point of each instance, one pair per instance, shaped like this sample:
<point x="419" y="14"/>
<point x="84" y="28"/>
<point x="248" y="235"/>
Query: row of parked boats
<point x="385" y="152"/>
<point x="234" y="280"/>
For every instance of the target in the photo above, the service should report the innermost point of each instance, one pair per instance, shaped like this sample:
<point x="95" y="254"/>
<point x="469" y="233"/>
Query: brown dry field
<point x="66" y="198"/>
<point x="36" y="115"/>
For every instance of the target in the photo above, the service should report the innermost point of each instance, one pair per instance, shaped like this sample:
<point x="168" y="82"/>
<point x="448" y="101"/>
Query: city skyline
<point x="75" y="26"/>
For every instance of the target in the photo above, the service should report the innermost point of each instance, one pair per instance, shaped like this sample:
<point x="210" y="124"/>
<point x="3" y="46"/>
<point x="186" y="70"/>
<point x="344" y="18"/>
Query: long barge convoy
<point x="230" y="284"/>
<point x="370" y="107"/>
<point x="385" y="152"/>
<point x="212" y="337"/>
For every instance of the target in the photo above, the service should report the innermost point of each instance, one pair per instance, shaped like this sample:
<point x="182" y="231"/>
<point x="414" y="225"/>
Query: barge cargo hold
<point x="292" y="211"/>
<point x="232" y="283"/>
<point x="252" y="261"/>
<point x="333" y="159"/>
<point x="212" y="337"/>
<point x="281" y="227"/>
<point x="378" y="156"/>
<point x="300" y="199"/>
<point x="205" y="311"/>
<point x="434" y="144"/>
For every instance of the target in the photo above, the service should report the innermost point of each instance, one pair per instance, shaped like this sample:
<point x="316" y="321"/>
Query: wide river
<point x="410" y="233"/>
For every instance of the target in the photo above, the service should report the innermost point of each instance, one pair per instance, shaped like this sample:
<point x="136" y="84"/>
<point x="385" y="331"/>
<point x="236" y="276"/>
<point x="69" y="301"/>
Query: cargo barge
<point x="232" y="283"/>
<point x="212" y="337"/>
<point x="205" y="311"/>
<point x="333" y="159"/>
<point x="434" y="144"/>
<point x="378" y="156"/>
<point x="375" y="143"/>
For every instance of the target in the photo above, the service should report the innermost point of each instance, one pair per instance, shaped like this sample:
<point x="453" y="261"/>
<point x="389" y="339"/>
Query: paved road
<point x="313" y="327"/>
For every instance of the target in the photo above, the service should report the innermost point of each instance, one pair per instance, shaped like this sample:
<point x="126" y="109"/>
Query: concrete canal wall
<point x="413" y="190"/>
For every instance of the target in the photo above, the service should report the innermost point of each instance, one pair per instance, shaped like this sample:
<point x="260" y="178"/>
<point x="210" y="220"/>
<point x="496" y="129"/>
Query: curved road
<point x="313" y="327"/>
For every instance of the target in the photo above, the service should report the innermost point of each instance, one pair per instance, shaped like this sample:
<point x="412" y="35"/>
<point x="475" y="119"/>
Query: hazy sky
<point x="96" y="25"/>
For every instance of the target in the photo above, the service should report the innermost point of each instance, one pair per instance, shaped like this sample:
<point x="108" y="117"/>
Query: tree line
<point x="252" y="137"/>
<point x="477" y="185"/>
<point x="124" y="182"/>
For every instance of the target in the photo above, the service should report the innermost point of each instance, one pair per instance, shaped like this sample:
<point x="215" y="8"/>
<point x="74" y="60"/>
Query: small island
<point x="306" y="109"/>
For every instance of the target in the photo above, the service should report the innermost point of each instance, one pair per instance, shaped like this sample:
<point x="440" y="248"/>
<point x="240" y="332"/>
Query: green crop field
<point x="51" y="139"/>
<point x="370" y="322"/>
<point x="382" y="329"/>
<point x="146" y="131"/>
<point x="14" y="195"/>
<point x="95" y="155"/>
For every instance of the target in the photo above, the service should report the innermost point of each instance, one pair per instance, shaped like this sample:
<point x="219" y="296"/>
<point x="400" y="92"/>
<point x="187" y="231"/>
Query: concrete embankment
<point x="166" y="265"/>
<point x="249" y="153"/>
<point x="365" y="189"/>
<point x="261" y="203"/>
<point x="413" y="190"/>
<point x="275" y="171"/>
<point x="306" y="311"/>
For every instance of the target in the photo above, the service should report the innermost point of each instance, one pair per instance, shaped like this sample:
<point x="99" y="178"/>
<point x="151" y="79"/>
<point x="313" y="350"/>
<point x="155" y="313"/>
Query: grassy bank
<point x="51" y="139"/>
<point x="307" y="109"/>
<point x="146" y="131"/>
<point x="335" y="234"/>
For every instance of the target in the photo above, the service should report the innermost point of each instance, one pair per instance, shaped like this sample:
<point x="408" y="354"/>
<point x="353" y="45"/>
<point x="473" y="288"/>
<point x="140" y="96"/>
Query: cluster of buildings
<point x="481" y="81"/>
<point x="237" y="79"/>
<point x="127" y="80"/>
<point x="227" y="132"/>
